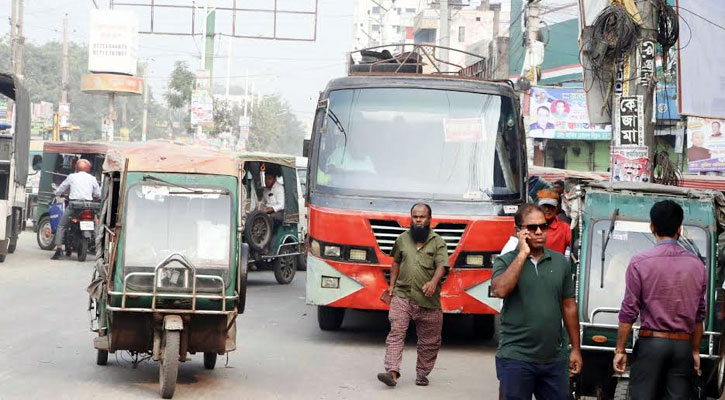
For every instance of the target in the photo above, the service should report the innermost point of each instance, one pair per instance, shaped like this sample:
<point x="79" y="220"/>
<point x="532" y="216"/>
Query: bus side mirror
<point x="306" y="147"/>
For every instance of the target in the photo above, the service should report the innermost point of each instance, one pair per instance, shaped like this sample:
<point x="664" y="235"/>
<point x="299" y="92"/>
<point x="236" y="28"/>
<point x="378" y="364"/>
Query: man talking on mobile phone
<point x="537" y="285"/>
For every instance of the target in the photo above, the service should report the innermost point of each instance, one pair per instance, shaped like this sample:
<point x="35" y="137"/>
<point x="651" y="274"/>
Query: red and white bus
<point x="383" y="141"/>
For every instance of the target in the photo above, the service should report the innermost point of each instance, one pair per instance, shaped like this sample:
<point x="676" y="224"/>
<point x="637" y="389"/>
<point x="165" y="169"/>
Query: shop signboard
<point x="561" y="113"/>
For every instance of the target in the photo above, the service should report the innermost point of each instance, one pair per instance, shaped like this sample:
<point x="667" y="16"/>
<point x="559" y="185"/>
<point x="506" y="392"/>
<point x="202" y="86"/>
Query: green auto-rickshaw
<point x="612" y="220"/>
<point x="171" y="269"/>
<point x="274" y="243"/>
<point x="56" y="163"/>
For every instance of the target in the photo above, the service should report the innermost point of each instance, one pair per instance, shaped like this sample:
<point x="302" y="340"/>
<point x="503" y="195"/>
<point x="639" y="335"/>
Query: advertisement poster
<point x="705" y="144"/>
<point x="630" y="164"/>
<point x="202" y="108"/>
<point x="561" y="113"/>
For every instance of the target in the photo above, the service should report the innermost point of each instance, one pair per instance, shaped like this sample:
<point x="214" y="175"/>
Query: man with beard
<point x="420" y="258"/>
<point x="538" y="289"/>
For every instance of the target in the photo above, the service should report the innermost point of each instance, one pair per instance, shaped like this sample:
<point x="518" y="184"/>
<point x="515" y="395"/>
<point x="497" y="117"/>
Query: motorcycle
<point x="81" y="228"/>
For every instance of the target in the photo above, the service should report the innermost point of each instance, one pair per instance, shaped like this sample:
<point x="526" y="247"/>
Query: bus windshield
<point x="418" y="143"/>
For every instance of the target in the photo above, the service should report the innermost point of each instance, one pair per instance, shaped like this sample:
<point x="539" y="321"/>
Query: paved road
<point x="46" y="350"/>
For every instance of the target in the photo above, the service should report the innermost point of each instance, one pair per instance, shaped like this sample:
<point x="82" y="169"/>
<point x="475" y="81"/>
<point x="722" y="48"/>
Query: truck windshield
<point x="419" y="143"/>
<point x="162" y="219"/>
<point x="627" y="239"/>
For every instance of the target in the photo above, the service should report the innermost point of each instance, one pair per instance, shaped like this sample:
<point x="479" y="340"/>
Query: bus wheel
<point x="330" y="318"/>
<point x="484" y="326"/>
<point x="621" y="392"/>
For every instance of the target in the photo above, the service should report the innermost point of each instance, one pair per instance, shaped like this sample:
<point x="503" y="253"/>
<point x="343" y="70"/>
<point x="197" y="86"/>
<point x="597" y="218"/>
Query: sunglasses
<point x="535" y="227"/>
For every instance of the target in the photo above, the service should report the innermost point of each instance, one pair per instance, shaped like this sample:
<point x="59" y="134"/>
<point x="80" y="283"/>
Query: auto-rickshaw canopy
<point x="163" y="156"/>
<point x="283" y="160"/>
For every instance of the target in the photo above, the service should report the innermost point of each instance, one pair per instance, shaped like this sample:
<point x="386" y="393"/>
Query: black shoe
<point x="58" y="255"/>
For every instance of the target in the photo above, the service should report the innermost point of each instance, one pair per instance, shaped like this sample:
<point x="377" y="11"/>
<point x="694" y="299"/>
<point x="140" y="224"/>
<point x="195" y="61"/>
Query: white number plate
<point x="87" y="225"/>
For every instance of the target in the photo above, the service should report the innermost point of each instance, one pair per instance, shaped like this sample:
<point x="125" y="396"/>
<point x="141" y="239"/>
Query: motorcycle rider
<point x="80" y="186"/>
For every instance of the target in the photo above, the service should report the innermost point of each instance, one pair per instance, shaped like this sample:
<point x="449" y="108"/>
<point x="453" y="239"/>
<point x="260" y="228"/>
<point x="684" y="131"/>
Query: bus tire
<point x="330" y="318"/>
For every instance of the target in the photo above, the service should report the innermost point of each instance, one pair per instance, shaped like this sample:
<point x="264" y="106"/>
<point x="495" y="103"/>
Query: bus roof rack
<point x="414" y="58"/>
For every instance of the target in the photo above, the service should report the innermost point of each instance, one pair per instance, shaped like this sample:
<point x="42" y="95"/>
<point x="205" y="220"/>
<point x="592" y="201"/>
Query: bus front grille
<point x="387" y="231"/>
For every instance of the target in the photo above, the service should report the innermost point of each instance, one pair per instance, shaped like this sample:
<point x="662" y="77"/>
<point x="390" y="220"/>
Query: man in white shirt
<point x="80" y="186"/>
<point x="273" y="195"/>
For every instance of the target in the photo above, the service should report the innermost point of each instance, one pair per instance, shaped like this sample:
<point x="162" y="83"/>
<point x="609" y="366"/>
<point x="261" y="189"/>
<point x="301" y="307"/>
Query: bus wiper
<point x="190" y="190"/>
<point x="331" y="114"/>
<point x="605" y="242"/>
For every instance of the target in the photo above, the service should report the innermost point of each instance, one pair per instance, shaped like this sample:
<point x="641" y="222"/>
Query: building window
<point x="398" y="29"/>
<point x="478" y="19"/>
<point x="461" y="34"/>
<point x="410" y="10"/>
<point x="376" y="28"/>
<point x="376" y="10"/>
<point x="399" y="10"/>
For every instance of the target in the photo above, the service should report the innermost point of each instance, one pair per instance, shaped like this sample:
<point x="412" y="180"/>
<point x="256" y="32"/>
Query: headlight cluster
<point x="475" y="260"/>
<point x="343" y="253"/>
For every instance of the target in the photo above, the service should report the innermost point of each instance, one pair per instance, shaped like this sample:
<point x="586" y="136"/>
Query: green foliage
<point x="181" y="83"/>
<point x="42" y="72"/>
<point x="275" y="128"/>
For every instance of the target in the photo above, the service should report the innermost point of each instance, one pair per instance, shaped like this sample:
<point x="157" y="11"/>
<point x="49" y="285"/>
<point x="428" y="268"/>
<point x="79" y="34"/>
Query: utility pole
<point x="637" y="83"/>
<point x="444" y="34"/>
<point x="13" y="33"/>
<point x="229" y="65"/>
<point x="20" y="40"/>
<point x="64" y="76"/>
<point x="144" y="118"/>
<point x="111" y="116"/>
<point x="534" y="49"/>
<point x="246" y="92"/>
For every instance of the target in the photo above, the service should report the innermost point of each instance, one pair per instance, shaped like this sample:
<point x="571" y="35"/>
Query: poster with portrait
<point x="705" y="144"/>
<point x="630" y="164"/>
<point x="561" y="113"/>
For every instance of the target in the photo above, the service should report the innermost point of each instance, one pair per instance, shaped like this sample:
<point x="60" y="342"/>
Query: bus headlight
<point x="358" y="255"/>
<point x="332" y="251"/>
<point x="330" y="282"/>
<point x="474" y="259"/>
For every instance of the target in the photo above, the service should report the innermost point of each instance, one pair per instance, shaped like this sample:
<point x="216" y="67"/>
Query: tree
<point x="275" y="128"/>
<point x="181" y="83"/>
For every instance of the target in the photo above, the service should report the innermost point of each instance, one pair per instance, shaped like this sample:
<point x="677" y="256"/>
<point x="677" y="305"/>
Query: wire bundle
<point x="664" y="171"/>
<point x="668" y="27"/>
<point x="614" y="33"/>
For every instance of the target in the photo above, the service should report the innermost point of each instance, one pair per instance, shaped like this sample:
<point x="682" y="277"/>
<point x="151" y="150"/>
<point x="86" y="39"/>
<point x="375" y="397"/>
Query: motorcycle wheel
<point x="83" y="250"/>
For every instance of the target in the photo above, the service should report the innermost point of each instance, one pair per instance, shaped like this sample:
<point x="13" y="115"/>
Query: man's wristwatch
<point x="620" y="351"/>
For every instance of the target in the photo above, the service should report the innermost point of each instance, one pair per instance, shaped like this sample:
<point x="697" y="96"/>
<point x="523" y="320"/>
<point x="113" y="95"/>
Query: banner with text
<point x="705" y="144"/>
<point x="561" y="113"/>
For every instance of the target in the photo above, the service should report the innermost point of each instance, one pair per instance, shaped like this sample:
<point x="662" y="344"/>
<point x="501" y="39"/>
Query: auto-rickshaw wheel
<point x="209" y="360"/>
<point x="285" y="267"/>
<point x="45" y="236"/>
<point x="716" y="384"/>
<point x="258" y="230"/>
<point x="101" y="357"/>
<point x="621" y="392"/>
<point x="169" y="368"/>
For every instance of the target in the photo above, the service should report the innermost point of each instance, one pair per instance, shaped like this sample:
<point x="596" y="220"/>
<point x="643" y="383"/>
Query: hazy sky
<point x="296" y="70"/>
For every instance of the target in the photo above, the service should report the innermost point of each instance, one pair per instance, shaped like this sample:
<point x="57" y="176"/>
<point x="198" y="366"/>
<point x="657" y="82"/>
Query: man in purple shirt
<point x="666" y="290"/>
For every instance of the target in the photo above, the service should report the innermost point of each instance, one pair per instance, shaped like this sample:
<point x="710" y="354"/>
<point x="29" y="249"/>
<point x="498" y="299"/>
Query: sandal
<point x="387" y="378"/>
<point x="421" y="381"/>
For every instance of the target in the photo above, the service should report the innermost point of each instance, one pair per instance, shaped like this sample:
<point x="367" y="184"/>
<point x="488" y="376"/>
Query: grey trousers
<point x="662" y="369"/>
<point x="68" y="212"/>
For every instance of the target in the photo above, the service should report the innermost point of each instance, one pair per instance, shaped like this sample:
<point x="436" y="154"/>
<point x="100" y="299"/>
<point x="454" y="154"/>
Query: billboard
<point x="113" y="42"/>
<point x="705" y="144"/>
<point x="561" y="113"/>
<point x="630" y="164"/>
<point x="111" y="83"/>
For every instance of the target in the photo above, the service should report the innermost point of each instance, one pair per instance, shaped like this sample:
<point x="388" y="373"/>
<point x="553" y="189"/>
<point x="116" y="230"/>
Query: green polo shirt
<point x="531" y="319"/>
<point x="417" y="267"/>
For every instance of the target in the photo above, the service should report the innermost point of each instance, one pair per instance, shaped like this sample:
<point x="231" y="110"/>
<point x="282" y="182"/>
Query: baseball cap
<point x="547" y="202"/>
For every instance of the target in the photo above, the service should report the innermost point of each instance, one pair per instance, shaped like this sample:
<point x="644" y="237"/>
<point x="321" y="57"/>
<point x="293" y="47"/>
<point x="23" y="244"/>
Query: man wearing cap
<point x="558" y="237"/>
